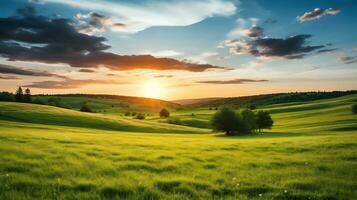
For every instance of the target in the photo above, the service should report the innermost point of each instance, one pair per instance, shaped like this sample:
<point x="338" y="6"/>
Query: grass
<point x="53" y="153"/>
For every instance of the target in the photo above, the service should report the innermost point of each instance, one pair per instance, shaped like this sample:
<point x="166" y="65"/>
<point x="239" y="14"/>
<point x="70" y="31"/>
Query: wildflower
<point x="285" y="191"/>
<point x="260" y="195"/>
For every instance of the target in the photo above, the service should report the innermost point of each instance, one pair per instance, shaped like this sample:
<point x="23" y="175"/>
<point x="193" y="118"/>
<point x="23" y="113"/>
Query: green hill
<point x="50" y="115"/>
<point x="54" y="153"/>
<point x="106" y="103"/>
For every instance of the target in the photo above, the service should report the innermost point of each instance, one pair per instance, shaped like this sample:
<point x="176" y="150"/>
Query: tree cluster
<point x="244" y="121"/>
<point x="21" y="96"/>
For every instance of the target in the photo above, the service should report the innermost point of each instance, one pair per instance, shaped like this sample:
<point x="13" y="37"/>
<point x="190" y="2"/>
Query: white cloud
<point x="242" y="27"/>
<point x="162" y="53"/>
<point x="147" y="14"/>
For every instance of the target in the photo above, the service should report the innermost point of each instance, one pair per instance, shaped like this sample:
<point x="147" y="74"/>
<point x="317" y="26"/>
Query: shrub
<point x="264" y="120"/>
<point x="127" y="113"/>
<point x="140" y="116"/>
<point x="174" y="120"/>
<point x="229" y="121"/>
<point x="354" y="108"/>
<point x="6" y="96"/>
<point x="164" y="113"/>
<point x="133" y="113"/>
<point x="85" y="107"/>
<point x="39" y="101"/>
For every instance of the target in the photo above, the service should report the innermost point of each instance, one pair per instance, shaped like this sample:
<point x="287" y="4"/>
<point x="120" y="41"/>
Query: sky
<point x="178" y="49"/>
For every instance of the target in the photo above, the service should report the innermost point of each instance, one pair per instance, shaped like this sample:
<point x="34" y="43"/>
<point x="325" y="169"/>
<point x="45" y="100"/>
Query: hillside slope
<point x="49" y="115"/>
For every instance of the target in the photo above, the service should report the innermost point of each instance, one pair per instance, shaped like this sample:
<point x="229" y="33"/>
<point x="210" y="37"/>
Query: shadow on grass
<point x="260" y="135"/>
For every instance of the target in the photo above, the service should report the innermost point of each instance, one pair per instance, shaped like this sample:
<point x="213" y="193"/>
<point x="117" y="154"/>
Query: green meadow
<point x="55" y="153"/>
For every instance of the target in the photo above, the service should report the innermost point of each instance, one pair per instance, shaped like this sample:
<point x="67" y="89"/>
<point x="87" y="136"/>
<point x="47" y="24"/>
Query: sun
<point x="153" y="89"/>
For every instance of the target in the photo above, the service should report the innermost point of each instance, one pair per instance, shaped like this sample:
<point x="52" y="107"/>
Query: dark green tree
<point x="164" y="113"/>
<point x="264" y="120"/>
<point x="27" y="96"/>
<point x="250" y="119"/>
<point x="19" y="95"/>
<point x="6" y="96"/>
<point x="85" y="107"/>
<point x="229" y="121"/>
<point x="354" y="108"/>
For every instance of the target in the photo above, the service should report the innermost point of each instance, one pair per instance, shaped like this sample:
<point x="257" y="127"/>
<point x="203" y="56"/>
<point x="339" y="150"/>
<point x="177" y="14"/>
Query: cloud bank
<point x="30" y="37"/>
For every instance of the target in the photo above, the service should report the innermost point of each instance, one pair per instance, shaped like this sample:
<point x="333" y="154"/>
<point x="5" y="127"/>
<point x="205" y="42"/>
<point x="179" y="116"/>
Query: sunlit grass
<point x="310" y="154"/>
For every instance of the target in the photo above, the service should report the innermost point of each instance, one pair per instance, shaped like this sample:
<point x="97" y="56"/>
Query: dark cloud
<point x="289" y="48"/>
<point x="348" y="59"/>
<point x="29" y="37"/>
<point x="234" y="81"/>
<point x="163" y="76"/>
<point x="254" y="31"/>
<point x="317" y="13"/>
<point x="7" y="69"/>
<point x="86" y="70"/>
<point x="326" y="50"/>
<point x="68" y="83"/>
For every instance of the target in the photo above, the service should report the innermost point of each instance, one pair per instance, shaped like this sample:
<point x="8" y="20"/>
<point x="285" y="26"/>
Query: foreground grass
<point x="39" y="162"/>
<point x="310" y="154"/>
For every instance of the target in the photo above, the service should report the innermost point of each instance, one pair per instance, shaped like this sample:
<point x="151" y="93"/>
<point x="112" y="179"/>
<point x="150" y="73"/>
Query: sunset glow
<point x="153" y="89"/>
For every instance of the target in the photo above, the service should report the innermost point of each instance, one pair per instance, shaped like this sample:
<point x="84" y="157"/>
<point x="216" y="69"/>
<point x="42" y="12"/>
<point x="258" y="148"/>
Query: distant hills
<point x="261" y="100"/>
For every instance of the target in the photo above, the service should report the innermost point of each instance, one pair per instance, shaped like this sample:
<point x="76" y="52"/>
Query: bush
<point x="133" y="113"/>
<point x="127" y="113"/>
<point x="229" y="121"/>
<point x="164" y="113"/>
<point x="264" y="120"/>
<point x="174" y="120"/>
<point x="354" y="108"/>
<point x="140" y="116"/>
<point x="6" y="96"/>
<point x="85" y="107"/>
<point x="39" y="101"/>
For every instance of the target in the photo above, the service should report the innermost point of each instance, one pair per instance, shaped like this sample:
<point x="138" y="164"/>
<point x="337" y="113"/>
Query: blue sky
<point x="268" y="46"/>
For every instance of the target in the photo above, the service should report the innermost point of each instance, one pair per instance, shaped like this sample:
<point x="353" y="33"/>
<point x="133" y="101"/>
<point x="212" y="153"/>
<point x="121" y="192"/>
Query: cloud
<point x="68" y="83"/>
<point x="293" y="47"/>
<point x="347" y="59"/>
<point x="234" y="81"/>
<point x="56" y="40"/>
<point x="7" y="69"/>
<point x="164" y="76"/>
<point x="162" y="53"/>
<point x="8" y="77"/>
<point x="317" y="13"/>
<point x="254" y="31"/>
<point x="86" y="70"/>
<point x="243" y="27"/>
<point x="138" y="16"/>
<point x="94" y="22"/>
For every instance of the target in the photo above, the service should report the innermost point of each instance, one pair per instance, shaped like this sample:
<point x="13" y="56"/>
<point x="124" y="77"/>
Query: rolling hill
<point x="54" y="153"/>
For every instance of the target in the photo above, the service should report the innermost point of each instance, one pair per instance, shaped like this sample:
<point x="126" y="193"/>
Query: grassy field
<point x="54" y="153"/>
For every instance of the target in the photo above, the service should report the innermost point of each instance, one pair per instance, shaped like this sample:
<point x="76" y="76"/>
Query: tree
<point x="27" y="96"/>
<point x="250" y="119"/>
<point x="6" y="96"/>
<point x="164" y="113"/>
<point x="354" y="108"/>
<point x="85" y="107"/>
<point x="140" y="116"/>
<point x="19" y="95"/>
<point x="264" y="120"/>
<point x="229" y="121"/>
